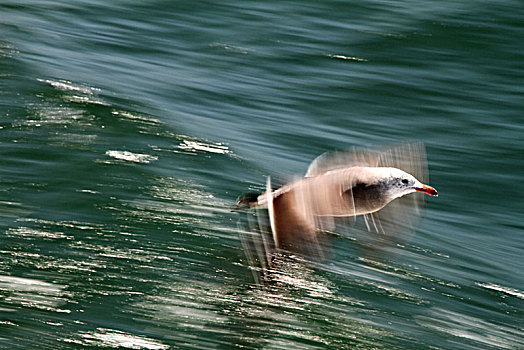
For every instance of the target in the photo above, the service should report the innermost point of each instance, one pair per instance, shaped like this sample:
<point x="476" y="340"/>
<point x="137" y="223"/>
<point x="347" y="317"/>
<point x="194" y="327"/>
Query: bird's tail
<point x="247" y="200"/>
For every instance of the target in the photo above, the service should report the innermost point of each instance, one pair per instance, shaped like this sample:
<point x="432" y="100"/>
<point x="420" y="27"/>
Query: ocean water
<point x="128" y="129"/>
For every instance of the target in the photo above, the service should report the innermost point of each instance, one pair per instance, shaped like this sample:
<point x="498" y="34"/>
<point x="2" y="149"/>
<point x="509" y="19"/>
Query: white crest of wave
<point x="131" y="157"/>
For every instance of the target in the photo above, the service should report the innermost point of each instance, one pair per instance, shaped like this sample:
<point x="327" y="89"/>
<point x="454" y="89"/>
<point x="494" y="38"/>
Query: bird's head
<point x="398" y="183"/>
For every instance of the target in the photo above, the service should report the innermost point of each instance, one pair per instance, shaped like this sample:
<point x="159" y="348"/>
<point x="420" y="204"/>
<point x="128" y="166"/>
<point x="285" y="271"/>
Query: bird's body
<point x="366" y="186"/>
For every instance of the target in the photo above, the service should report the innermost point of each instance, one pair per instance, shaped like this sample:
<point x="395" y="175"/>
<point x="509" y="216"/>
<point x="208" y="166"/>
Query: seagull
<point x="379" y="184"/>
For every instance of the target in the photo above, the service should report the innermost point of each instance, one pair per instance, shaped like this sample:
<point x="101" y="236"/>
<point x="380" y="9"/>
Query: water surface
<point x="128" y="130"/>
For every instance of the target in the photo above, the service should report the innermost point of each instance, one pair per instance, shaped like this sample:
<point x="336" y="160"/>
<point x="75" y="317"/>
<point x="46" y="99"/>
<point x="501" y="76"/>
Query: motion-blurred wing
<point x="329" y="161"/>
<point x="400" y="215"/>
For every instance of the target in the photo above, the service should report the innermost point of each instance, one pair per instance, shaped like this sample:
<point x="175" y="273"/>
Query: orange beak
<point x="427" y="190"/>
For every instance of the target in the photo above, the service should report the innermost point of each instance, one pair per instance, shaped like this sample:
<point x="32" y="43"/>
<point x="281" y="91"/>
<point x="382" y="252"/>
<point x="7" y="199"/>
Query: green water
<point x="128" y="129"/>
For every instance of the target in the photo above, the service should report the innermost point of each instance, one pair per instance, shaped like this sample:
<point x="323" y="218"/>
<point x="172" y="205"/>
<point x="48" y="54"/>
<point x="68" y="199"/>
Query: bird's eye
<point x="405" y="181"/>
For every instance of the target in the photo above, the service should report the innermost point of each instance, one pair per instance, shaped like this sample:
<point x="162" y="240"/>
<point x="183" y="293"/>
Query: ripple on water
<point x="33" y="293"/>
<point x="505" y="290"/>
<point x="481" y="332"/>
<point x="112" y="338"/>
<point x="295" y="306"/>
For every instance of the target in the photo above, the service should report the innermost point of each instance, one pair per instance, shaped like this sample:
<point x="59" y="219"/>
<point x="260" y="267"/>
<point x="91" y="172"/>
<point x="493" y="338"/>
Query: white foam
<point x="204" y="147"/>
<point x="66" y="85"/>
<point x="233" y="48"/>
<point x="506" y="290"/>
<point x="348" y="58"/>
<point x="116" y="339"/>
<point x="33" y="293"/>
<point x="131" y="157"/>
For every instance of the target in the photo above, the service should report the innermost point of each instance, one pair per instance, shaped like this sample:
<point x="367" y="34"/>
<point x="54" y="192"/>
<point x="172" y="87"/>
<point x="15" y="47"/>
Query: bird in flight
<point x="376" y="183"/>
